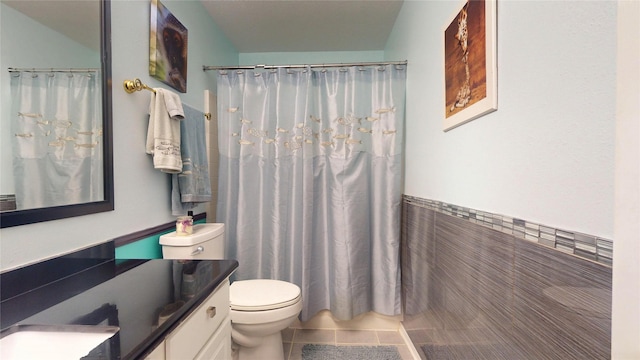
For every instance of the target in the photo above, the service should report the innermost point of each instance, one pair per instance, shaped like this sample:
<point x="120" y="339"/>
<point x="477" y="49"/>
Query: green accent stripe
<point x="146" y="248"/>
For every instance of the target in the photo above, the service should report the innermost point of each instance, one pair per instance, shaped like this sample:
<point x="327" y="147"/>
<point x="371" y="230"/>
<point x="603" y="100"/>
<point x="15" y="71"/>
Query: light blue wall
<point x="142" y="194"/>
<point x="284" y="58"/>
<point x="547" y="153"/>
<point x="27" y="43"/>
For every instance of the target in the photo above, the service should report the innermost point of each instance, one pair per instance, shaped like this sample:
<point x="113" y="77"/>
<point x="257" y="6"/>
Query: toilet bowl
<point x="259" y="309"/>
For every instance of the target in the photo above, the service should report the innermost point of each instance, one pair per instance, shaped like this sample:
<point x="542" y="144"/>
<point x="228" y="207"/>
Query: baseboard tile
<point x="407" y="340"/>
<point x="369" y="321"/>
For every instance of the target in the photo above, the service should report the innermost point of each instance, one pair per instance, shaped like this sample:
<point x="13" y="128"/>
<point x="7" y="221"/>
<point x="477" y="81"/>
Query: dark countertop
<point x="129" y="294"/>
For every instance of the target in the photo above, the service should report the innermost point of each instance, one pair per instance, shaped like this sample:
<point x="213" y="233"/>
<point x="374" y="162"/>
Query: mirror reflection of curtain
<point x="310" y="182"/>
<point x="57" y="138"/>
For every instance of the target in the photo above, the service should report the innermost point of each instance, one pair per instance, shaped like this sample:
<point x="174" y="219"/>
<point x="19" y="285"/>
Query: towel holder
<point x="131" y="86"/>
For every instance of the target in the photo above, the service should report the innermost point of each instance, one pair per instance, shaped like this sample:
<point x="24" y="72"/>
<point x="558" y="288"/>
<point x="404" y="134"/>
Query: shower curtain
<point x="310" y="182"/>
<point x="57" y="138"/>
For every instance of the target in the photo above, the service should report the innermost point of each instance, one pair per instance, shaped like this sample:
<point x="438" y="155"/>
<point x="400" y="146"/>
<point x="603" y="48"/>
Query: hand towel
<point x="174" y="105"/>
<point x="192" y="186"/>
<point x="163" y="133"/>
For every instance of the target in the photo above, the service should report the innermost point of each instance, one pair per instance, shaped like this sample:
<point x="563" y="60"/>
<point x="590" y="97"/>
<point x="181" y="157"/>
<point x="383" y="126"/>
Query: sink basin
<point x="52" y="341"/>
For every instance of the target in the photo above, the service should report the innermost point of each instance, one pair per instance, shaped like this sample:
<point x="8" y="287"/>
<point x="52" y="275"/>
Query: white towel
<point x="173" y="104"/>
<point x="163" y="134"/>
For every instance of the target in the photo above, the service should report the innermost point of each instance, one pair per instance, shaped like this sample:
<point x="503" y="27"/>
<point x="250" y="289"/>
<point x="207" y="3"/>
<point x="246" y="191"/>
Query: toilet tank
<point x="205" y="243"/>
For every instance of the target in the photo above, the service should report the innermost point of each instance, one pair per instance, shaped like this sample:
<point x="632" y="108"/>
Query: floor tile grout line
<point x="291" y="344"/>
<point x="378" y="337"/>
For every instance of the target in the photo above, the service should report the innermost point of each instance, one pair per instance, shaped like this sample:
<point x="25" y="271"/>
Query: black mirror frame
<point x="30" y="216"/>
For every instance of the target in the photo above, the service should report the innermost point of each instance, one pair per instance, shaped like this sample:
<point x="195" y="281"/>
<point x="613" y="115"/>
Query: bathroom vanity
<point x="164" y="309"/>
<point x="204" y="334"/>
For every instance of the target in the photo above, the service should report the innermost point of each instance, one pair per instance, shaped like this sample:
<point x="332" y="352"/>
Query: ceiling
<point x="252" y="25"/>
<point x="305" y="25"/>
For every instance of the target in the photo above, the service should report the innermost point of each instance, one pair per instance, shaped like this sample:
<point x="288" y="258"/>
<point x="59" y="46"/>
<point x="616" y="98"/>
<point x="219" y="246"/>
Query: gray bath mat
<point x="331" y="352"/>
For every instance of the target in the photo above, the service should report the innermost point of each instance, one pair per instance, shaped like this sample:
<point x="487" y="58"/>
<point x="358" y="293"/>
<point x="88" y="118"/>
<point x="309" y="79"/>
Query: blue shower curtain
<point x="56" y="123"/>
<point x="310" y="182"/>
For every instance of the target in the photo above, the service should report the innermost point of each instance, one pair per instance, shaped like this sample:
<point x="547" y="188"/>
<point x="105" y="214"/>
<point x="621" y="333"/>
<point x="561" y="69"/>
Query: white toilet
<point x="260" y="309"/>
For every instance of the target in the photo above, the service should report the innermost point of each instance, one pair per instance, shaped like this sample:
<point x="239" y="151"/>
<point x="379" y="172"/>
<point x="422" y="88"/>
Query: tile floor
<point x="293" y="339"/>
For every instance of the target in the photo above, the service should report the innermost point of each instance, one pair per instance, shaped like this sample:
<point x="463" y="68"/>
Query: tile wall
<point x="485" y="286"/>
<point x="571" y="242"/>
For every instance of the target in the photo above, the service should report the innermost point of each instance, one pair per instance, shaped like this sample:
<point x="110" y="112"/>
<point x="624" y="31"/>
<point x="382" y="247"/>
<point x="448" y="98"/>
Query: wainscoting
<point x="473" y="292"/>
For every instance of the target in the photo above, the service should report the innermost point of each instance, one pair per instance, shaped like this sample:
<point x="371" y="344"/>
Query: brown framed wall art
<point x="470" y="74"/>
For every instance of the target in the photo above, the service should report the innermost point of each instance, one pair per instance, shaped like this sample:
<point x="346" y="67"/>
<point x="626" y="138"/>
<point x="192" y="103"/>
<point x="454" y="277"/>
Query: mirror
<point x="36" y="40"/>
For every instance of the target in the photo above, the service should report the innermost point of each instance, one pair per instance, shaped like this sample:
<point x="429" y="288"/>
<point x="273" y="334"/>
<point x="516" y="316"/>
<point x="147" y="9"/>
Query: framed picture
<point x="168" y="40"/>
<point x="470" y="63"/>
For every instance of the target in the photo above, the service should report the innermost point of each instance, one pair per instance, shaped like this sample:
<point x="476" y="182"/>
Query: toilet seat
<point x="262" y="295"/>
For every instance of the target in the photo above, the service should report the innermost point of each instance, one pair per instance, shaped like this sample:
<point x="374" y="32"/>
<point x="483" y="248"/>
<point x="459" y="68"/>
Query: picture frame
<point x="168" y="47"/>
<point x="470" y="66"/>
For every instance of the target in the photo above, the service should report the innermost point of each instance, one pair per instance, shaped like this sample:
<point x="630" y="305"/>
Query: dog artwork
<point x="168" y="52"/>
<point x="175" y="48"/>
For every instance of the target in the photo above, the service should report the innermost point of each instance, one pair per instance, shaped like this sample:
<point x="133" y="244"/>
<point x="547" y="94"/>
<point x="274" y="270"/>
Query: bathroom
<point x="547" y="155"/>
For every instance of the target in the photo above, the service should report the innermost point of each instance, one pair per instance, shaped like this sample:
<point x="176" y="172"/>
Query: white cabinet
<point x="157" y="353"/>
<point x="204" y="334"/>
<point x="219" y="346"/>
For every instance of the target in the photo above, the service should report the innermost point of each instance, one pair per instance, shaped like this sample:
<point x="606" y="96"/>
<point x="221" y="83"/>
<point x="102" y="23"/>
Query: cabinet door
<point x="219" y="346"/>
<point x="186" y="341"/>
<point x="157" y="353"/>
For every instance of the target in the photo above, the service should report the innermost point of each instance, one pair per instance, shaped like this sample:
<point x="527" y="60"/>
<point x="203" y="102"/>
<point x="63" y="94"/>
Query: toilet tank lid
<point x="262" y="294"/>
<point x="201" y="233"/>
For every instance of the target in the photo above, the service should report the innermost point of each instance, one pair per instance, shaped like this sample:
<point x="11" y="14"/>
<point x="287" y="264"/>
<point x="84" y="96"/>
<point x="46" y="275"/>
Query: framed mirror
<point x="45" y="150"/>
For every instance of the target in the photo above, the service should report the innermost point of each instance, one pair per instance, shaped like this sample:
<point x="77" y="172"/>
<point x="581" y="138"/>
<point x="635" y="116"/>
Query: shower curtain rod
<point x="252" y="67"/>
<point x="11" y="69"/>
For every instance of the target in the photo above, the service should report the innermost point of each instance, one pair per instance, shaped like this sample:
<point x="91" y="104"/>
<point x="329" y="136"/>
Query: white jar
<point x="184" y="226"/>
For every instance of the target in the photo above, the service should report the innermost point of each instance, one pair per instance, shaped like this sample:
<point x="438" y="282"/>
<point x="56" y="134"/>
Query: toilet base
<point x="269" y="349"/>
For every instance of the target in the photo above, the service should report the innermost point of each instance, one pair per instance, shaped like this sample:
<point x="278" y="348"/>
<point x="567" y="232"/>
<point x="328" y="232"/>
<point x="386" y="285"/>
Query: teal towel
<point x="192" y="186"/>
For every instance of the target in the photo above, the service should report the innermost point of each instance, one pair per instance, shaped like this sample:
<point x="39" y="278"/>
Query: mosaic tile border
<point x="7" y="202"/>
<point x="582" y="245"/>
